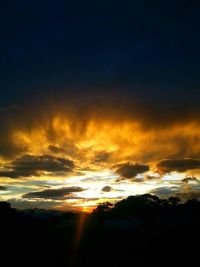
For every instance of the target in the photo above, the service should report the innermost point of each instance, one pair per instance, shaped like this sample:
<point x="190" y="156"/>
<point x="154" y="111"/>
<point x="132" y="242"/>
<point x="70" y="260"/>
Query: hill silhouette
<point x="137" y="231"/>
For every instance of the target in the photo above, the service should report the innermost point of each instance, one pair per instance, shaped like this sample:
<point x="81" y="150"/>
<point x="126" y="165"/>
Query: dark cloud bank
<point x="54" y="194"/>
<point x="31" y="166"/>
<point x="179" y="165"/>
<point x="130" y="170"/>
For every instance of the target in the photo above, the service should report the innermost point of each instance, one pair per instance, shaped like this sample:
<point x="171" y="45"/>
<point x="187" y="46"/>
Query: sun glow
<point x="88" y="209"/>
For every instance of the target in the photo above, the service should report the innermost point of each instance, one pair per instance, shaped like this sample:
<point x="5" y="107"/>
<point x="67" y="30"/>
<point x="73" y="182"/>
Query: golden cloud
<point x="98" y="135"/>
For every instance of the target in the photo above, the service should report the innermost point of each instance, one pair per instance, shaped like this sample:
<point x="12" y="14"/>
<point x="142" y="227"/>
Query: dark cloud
<point x="65" y="150"/>
<point x="179" y="165"/>
<point x="56" y="149"/>
<point x="8" y="146"/>
<point x="32" y="165"/>
<point x="58" y="194"/>
<point x="3" y="188"/>
<point x="166" y="191"/>
<point x="101" y="157"/>
<point x="151" y="177"/>
<point x="138" y="180"/>
<point x="106" y="189"/>
<point x="130" y="170"/>
<point x="188" y="180"/>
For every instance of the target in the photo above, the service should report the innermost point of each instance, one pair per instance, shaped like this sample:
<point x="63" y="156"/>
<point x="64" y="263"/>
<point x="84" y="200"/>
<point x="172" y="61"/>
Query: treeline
<point x="153" y="227"/>
<point x="145" y="206"/>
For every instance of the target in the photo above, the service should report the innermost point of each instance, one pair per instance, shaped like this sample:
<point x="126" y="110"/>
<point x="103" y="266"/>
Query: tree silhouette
<point x="104" y="207"/>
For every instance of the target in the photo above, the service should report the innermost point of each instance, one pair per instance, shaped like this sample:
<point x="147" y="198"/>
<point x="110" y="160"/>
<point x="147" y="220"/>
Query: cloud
<point x="54" y="194"/>
<point x="94" y="129"/>
<point x="182" y="192"/>
<point x="188" y="180"/>
<point x="179" y="165"/>
<point x="3" y="188"/>
<point x="101" y="157"/>
<point x="151" y="177"/>
<point x="56" y="149"/>
<point x="28" y="165"/>
<point x="165" y="191"/>
<point x="106" y="189"/>
<point x="64" y="149"/>
<point x="138" y="180"/>
<point x="130" y="170"/>
<point x="8" y="146"/>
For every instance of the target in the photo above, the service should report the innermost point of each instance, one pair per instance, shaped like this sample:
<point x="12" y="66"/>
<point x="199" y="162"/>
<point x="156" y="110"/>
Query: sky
<point x="99" y="101"/>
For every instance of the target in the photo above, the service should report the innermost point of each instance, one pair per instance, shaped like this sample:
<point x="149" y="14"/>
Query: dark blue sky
<point x="137" y="48"/>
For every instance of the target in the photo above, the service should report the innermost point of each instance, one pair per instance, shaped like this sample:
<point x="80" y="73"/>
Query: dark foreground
<point x="138" y="231"/>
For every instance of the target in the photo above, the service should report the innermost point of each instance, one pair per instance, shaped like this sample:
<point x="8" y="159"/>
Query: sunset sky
<point x="99" y="100"/>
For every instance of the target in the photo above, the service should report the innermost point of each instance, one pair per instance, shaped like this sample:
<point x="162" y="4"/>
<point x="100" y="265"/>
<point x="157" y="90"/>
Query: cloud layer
<point x="54" y="194"/>
<point x="178" y="165"/>
<point x="28" y="165"/>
